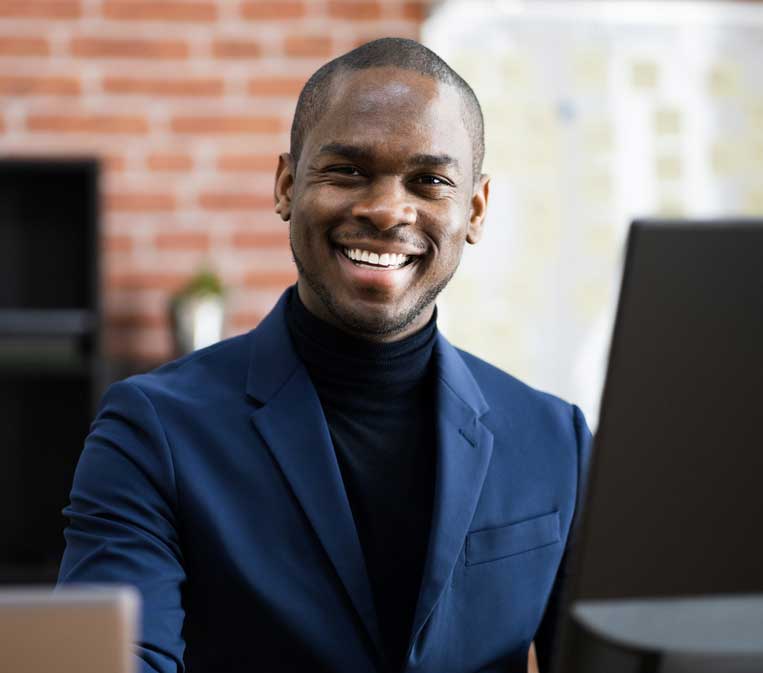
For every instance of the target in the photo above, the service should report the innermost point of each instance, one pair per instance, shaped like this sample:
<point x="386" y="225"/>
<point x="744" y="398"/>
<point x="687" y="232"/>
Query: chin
<point x="373" y="323"/>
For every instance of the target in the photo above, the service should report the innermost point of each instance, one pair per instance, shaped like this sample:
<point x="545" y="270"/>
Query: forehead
<point x="395" y="112"/>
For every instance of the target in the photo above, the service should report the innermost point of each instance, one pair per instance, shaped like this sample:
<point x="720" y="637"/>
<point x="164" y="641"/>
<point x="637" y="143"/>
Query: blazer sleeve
<point x="548" y="631"/>
<point x="123" y="524"/>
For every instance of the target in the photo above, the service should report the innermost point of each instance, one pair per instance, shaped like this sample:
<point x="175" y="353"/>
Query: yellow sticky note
<point x="723" y="79"/>
<point x="755" y="156"/>
<point x="754" y="202"/>
<point x="599" y="238"/>
<point x="670" y="206"/>
<point x="597" y="138"/>
<point x="726" y="158"/>
<point x="754" y="115"/>
<point x="589" y="299"/>
<point x="590" y="69"/>
<point x="512" y="70"/>
<point x="667" y="120"/>
<point x="597" y="188"/>
<point x="539" y="121"/>
<point x="644" y="74"/>
<point x="669" y="167"/>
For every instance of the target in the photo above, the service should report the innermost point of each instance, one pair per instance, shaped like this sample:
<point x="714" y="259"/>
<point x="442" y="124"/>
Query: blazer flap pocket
<point x="495" y="543"/>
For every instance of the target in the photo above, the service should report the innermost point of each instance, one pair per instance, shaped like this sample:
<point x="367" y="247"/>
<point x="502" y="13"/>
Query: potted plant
<point x="198" y="312"/>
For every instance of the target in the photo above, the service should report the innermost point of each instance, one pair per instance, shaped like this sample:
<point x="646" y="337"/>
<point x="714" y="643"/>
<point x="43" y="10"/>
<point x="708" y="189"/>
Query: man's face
<point x="381" y="202"/>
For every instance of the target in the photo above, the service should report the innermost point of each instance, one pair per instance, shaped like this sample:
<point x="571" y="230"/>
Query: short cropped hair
<point x="387" y="52"/>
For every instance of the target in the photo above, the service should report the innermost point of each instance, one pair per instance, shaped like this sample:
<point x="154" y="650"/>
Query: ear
<point x="478" y="210"/>
<point x="283" y="186"/>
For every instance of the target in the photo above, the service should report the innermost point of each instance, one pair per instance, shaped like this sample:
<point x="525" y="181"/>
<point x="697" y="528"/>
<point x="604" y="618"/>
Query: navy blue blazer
<point x="212" y="485"/>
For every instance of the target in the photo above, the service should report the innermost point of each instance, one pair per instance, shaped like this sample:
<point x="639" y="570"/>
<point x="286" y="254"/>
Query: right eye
<point x="344" y="170"/>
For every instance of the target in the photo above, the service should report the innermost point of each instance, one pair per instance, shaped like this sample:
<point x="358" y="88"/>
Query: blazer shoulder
<point x="525" y="408"/>
<point x="498" y="384"/>
<point x="203" y="374"/>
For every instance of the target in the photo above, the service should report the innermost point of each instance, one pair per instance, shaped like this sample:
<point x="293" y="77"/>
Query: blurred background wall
<point x="596" y="113"/>
<point x="187" y="103"/>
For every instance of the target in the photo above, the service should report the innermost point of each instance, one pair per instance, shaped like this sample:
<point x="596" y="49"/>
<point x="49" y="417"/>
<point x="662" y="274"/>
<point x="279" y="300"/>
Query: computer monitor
<point x="674" y="504"/>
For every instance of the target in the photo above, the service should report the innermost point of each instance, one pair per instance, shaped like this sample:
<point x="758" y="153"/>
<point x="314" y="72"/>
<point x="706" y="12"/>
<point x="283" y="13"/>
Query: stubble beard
<point x="369" y="326"/>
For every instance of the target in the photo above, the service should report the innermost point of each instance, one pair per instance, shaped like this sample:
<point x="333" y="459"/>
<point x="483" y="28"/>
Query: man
<point x="341" y="489"/>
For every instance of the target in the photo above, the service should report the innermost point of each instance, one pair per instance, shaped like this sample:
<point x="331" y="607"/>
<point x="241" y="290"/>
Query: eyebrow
<point x="357" y="153"/>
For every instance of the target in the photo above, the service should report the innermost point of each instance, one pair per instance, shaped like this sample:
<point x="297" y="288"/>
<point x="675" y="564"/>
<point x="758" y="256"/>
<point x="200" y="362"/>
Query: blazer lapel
<point x="464" y="448"/>
<point x="292" y="424"/>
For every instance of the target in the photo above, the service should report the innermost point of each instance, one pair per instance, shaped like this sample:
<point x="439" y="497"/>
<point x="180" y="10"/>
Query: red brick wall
<point x="187" y="103"/>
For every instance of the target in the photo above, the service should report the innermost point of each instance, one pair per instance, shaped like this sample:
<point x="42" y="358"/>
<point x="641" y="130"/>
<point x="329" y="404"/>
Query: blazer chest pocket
<point x="492" y="544"/>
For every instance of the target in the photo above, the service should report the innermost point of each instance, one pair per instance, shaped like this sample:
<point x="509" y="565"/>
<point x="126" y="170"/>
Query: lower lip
<point x="384" y="279"/>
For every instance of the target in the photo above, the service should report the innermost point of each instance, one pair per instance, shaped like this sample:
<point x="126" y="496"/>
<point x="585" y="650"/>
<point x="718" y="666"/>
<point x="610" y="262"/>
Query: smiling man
<point x="341" y="489"/>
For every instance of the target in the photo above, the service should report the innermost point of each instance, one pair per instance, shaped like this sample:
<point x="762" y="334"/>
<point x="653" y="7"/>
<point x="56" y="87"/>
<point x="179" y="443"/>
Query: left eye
<point x="430" y="180"/>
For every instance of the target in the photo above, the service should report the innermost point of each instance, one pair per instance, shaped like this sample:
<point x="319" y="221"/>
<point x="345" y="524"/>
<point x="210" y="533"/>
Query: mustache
<point x="373" y="234"/>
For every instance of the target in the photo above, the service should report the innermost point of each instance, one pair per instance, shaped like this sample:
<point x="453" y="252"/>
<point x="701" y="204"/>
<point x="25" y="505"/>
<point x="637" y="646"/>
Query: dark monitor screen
<point x="674" y="504"/>
<point x="675" y="501"/>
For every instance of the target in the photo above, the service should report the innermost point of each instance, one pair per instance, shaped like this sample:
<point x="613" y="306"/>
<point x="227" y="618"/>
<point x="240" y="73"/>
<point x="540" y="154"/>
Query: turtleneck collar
<point x="334" y="356"/>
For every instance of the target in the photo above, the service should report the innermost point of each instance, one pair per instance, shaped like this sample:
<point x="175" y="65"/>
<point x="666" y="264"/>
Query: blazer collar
<point x="272" y="358"/>
<point x="292" y="424"/>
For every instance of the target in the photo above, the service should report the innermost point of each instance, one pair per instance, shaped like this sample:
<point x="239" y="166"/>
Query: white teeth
<point x="387" y="259"/>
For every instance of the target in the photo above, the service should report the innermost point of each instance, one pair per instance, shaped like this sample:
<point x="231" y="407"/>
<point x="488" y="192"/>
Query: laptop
<point x="77" y="629"/>
<point x="669" y="551"/>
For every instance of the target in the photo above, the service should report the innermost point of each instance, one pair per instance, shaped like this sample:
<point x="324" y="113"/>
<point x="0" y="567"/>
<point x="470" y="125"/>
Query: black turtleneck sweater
<point x="378" y="400"/>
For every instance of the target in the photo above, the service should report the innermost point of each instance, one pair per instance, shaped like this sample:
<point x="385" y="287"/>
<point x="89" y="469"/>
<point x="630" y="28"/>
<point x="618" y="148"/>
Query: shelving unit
<point x="50" y="359"/>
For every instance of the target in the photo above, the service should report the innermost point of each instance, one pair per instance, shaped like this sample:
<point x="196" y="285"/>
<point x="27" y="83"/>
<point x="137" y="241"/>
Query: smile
<point x="385" y="260"/>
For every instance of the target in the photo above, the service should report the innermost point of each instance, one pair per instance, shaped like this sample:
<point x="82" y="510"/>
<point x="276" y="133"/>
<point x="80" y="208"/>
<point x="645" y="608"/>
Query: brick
<point x="147" y="280"/>
<point x="244" y="321"/>
<point x="262" y="239"/>
<point x="234" y="201"/>
<point x="276" y="86"/>
<point x="308" y="46"/>
<point x="227" y="125"/>
<point x="139" y="202"/>
<point x="97" y="47"/>
<point x="182" y="240"/>
<point x="265" y="10"/>
<point x="113" y="163"/>
<point x="172" y="163"/>
<point x="363" y="10"/>
<point x="159" y="10"/>
<point x="24" y="46"/>
<point x="30" y="85"/>
<point x="122" y="320"/>
<point x="117" y="243"/>
<point x="243" y="163"/>
<point x="145" y="347"/>
<point x="116" y="124"/>
<point x="236" y="49"/>
<point x="40" y="9"/>
<point x="270" y="279"/>
<point x="207" y="86"/>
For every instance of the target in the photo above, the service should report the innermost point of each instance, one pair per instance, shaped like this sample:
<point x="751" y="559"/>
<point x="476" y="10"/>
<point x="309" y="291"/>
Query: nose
<point x="385" y="204"/>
